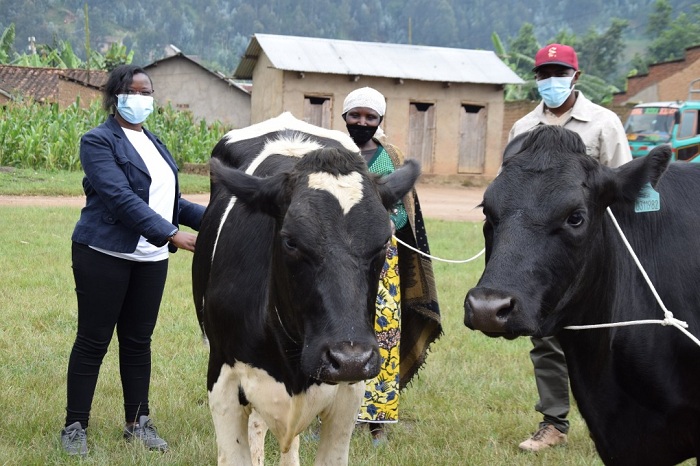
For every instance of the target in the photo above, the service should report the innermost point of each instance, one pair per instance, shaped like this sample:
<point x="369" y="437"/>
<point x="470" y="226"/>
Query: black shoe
<point x="146" y="432"/>
<point x="74" y="440"/>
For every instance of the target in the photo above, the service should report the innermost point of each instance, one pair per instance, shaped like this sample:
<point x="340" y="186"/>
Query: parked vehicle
<point x="675" y="123"/>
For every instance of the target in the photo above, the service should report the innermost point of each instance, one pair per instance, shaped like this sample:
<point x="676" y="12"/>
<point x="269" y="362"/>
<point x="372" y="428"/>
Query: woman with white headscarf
<point x="407" y="307"/>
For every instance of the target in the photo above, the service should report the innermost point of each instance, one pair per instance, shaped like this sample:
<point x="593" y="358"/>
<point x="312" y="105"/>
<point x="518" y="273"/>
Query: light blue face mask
<point x="134" y="108"/>
<point x="555" y="90"/>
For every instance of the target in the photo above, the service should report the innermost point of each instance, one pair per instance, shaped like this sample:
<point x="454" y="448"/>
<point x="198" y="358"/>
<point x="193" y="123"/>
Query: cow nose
<point x="487" y="310"/>
<point x="349" y="362"/>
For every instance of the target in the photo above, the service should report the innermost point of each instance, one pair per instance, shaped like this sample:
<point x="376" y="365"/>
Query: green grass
<point x="470" y="405"/>
<point x="28" y="182"/>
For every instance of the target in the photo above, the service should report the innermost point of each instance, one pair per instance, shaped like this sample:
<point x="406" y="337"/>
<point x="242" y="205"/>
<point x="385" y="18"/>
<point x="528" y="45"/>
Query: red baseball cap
<point x="556" y="54"/>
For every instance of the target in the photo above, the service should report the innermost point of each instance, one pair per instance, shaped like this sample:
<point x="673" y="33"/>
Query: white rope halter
<point x="668" y="315"/>
<point x="439" y="259"/>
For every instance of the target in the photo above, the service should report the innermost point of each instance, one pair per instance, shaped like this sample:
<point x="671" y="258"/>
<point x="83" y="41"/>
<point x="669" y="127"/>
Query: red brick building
<point x="665" y="81"/>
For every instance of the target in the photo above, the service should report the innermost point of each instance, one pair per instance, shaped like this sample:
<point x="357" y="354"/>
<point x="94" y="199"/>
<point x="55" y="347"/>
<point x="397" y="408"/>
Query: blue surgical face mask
<point x="134" y="108"/>
<point x="555" y="90"/>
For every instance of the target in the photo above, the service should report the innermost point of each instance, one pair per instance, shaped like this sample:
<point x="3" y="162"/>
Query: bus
<point x="674" y="123"/>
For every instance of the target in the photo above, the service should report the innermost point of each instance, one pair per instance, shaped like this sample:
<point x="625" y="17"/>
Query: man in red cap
<point x="556" y="72"/>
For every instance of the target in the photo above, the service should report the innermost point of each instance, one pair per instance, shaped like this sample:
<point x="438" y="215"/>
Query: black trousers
<point x="552" y="378"/>
<point x="113" y="292"/>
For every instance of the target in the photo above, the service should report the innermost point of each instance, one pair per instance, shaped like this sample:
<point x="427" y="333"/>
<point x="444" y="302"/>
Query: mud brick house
<point x="444" y="106"/>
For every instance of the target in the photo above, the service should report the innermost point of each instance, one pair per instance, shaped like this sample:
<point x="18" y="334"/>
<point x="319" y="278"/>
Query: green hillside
<point x="217" y="31"/>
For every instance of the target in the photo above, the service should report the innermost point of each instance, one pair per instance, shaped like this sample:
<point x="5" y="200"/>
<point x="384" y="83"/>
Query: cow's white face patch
<point x="296" y="146"/>
<point x="287" y="121"/>
<point x="346" y="188"/>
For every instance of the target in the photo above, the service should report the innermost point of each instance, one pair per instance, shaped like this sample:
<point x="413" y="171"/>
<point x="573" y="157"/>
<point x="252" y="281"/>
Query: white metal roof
<point x="400" y="61"/>
<point x="664" y="103"/>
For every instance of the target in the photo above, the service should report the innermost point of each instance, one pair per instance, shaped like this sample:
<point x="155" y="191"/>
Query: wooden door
<point x="472" y="139"/>
<point x="317" y="111"/>
<point x="421" y="134"/>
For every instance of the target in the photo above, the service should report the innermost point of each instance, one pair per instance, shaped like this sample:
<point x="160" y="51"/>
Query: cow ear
<point x="396" y="185"/>
<point x="514" y="146"/>
<point x="632" y="176"/>
<point x="261" y="194"/>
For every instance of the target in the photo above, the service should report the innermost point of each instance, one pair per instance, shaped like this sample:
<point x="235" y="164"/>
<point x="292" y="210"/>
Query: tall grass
<point x="40" y="136"/>
<point x="471" y="404"/>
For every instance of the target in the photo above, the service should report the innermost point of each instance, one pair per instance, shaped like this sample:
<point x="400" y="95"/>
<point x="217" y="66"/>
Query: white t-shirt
<point x="161" y="196"/>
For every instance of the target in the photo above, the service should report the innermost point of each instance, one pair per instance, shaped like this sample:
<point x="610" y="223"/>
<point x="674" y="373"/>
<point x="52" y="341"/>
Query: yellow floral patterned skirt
<point x="381" y="401"/>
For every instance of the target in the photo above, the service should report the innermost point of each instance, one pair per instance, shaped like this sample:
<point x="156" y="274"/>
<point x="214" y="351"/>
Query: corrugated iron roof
<point x="400" y="61"/>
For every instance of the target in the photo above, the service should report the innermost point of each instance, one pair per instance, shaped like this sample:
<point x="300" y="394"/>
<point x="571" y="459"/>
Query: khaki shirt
<point x="601" y="130"/>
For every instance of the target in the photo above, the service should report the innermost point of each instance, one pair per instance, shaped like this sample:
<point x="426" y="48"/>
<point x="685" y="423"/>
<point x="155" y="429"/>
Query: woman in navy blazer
<point x="120" y="255"/>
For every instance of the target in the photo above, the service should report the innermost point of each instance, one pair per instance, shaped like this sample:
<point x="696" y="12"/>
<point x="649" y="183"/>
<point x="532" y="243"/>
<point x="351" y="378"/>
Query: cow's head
<point x="544" y="222"/>
<point x="332" y="231"/>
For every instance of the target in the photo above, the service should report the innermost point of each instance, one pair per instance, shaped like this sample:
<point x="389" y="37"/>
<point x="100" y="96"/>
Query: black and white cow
<point x="285" y="278"/>
<point x="554" y="259"/>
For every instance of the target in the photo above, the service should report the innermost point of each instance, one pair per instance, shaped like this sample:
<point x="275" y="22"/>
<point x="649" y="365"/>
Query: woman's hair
<point x="118" y="82"/>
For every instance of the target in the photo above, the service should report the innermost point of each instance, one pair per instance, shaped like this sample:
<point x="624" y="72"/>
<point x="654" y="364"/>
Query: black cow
<point x="285" y="278"/>
<point x="555" y="259"/>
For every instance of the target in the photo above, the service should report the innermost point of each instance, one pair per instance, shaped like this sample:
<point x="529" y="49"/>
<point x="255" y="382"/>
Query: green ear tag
<point x="648" y="200"/>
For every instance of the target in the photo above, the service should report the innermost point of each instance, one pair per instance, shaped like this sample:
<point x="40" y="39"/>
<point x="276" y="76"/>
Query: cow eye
<point x="575" y="219"/>
<point x="289" y="243"/>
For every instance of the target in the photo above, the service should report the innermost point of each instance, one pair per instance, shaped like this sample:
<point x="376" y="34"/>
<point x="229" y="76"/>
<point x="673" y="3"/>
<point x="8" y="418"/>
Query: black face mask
<point x="361" y="134"/>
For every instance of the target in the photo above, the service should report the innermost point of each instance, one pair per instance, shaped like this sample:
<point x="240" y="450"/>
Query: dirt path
<point x="441" y="202"/>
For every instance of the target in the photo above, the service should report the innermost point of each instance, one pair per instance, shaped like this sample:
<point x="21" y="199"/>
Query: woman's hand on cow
<point x="184" y="240"/>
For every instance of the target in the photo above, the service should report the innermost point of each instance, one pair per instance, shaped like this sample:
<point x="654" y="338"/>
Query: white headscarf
<point x="365" y="97"/>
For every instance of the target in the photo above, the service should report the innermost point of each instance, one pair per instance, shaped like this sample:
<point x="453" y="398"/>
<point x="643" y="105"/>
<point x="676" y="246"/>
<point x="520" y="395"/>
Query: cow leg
<point x="257" y="429"/>
<point x="230" y="419"/>
<point x="338" y="423"/>
<point x="291" y="457"/>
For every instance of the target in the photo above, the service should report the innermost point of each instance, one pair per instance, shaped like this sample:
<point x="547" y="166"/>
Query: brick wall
<point x="512" y="112"/>
<point x="672" y="78"/>
<point x="675" y="86"/>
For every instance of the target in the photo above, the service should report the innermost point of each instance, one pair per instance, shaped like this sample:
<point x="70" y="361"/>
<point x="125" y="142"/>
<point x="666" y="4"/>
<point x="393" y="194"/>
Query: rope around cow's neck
<point x="437" y="258"/>
<point x="668" y="315"/>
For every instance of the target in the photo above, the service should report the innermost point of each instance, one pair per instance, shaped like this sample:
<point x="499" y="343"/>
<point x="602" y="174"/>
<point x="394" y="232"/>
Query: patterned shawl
<point x="420" y="312"/>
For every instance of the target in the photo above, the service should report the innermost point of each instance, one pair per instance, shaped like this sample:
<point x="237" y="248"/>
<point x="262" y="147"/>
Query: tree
<point x="670" y="37"/>
<point x="7" y="41"/>
<point x="599" y="54"/>
<point x="659" y="19"/>
<point x="566" y="37"/>
<point x="521" y="64"/>
<point x="596" y="88"/>
<point x="116" y="55"/>
<point x="61" y="55"/>
<point x="682" y="33"/>
<point x="520" y="57"/>
<point x="522" y="49"/>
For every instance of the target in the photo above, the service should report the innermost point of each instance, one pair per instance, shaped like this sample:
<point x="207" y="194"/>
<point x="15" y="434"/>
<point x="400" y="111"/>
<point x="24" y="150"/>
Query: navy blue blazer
<point x="116" y="186"/>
